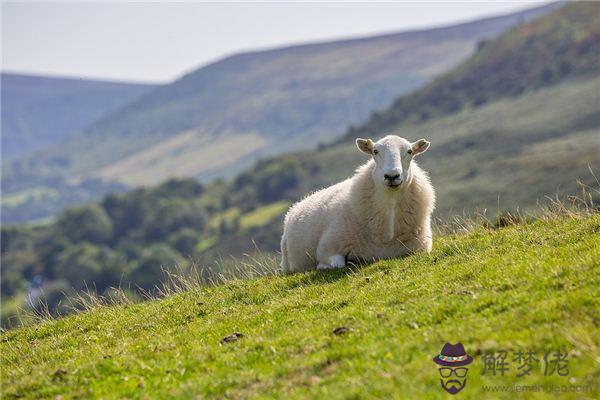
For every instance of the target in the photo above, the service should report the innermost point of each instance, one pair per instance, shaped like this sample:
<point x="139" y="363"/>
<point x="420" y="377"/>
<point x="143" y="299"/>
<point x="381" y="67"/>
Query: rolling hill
<point x="562" y="45"/>
<point x="217" y="120"/>
<point x="38" y="111"/>
<point x="532" y="137"/>
<point x="365" y="332"/>
<point x="505" y="154"/>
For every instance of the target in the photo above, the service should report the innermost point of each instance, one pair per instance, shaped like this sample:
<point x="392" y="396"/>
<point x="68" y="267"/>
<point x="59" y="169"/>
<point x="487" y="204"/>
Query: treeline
<point x="46" y="194"/>
<point x="127" y="240"/>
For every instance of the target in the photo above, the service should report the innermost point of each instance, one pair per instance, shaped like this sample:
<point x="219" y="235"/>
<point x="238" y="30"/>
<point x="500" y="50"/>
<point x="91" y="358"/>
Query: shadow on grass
<point x="324" y="276"/>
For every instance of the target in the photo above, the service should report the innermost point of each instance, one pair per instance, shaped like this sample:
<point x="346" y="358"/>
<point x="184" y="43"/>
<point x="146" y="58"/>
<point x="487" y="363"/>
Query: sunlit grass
<point x="35" y="193"/>
<point x="227" y="215"/>
<point x="533" y="285"/>
<point x="263" y="215"/>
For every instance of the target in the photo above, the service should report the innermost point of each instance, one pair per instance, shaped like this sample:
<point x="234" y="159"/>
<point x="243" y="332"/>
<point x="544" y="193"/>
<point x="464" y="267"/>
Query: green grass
<point x="263" y="215"/>
<point x="206" y="243"/>
<point x="227" y="215"/>
<point x="11" y="305"/>
<point x="525" y="287"/>
<point x="256" y="218"/>
<point x="34" y="193"/>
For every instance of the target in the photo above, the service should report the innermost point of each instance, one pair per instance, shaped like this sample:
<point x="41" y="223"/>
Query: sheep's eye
<point x="409" y="151"/>
<point x="375" y="151"/>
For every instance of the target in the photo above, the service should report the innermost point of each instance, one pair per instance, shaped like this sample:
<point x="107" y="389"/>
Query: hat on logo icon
<point x="453" y="355"/>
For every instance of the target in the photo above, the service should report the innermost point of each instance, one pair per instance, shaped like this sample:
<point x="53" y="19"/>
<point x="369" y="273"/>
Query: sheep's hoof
<point x="325" y="266"/>
<point x="336" y="261"/>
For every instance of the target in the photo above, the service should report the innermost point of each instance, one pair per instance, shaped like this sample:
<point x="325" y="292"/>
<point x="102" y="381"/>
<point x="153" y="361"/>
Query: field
<point x="35" y="193"/>
<point x="263" y="215"/>
<point x="364" y="332"/>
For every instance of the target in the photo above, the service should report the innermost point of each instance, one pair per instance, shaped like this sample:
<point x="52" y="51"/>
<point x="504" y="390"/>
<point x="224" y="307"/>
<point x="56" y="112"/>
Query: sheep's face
<point x="392" y="156"/>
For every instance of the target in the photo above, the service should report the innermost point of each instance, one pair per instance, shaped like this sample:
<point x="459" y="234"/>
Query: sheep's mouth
<point x="393" y="186"/>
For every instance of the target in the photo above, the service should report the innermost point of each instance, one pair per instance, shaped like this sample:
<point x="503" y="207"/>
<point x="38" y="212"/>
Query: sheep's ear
<point x="420" y="146"/>
<point x="365" y="145"/>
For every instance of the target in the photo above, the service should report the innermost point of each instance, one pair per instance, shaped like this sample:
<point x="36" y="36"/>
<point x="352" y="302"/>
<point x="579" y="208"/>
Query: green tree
<point x="184" y="240"/>
<point x="154" y="259"/>
<point x="80" y="264"/>
<point x="272" y="180"/>
<point x="182" y="187"/>
<point x="128" y="212"/>
<point x="170" y="215"/>
<point x="88" y="223"/>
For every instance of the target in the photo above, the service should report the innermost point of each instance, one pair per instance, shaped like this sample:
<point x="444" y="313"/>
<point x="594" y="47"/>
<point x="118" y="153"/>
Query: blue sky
<point x="159" y="41"/>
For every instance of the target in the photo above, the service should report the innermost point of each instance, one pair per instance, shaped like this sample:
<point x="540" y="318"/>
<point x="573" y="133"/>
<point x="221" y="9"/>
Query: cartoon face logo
<point x="453" y="373"/>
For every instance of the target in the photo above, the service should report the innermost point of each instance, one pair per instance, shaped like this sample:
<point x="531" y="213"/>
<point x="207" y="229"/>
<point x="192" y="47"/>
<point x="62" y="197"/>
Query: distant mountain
<point x="524" y="125"/>
<point x="39" y="111"/>
<point x="563" y="44"/>
<point x="518" y="120"/>
<point x="218" y="119"/>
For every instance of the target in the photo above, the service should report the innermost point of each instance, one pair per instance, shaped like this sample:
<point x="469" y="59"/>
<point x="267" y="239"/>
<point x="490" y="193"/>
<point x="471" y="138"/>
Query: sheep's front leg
<point x="331" y="247"/>
<point x="336" y="261"/>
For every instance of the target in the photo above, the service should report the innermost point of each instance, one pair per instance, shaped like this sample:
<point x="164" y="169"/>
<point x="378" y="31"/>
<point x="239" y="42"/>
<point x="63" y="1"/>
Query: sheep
<point x="383" y="211"/>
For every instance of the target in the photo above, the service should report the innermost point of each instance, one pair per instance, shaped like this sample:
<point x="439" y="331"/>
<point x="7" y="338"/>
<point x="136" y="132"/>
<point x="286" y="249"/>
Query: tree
<point x="184" y="240"/>
<point x="171" y="215"/>
<point x="149" y="271"/>
<point x="182" y="187"/>
<point x="128" y="212"/>
<point x="80" y="264"/>
<point x="88" y="223"/>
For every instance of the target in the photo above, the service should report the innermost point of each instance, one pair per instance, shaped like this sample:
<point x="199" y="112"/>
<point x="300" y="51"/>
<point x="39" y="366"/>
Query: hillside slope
<point x="531" y="287"/>
<point x="40" y="111"/>
<point x="562" y="44"/>
<point x="506" y="154"/>
<point x="218" y="120"/>
<point x="267" y="102"/>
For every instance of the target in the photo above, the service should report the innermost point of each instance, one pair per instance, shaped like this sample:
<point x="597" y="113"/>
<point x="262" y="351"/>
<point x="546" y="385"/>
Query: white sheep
<point x="383" y="211"/>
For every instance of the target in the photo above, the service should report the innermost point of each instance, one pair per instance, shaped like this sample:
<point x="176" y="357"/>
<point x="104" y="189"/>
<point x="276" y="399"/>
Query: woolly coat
<point x="359" y="220"/>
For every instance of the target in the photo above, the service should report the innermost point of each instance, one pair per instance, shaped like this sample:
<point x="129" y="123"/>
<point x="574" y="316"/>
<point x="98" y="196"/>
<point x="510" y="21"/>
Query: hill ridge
<point x="562" y="44"/>
<point x="240" y="76"/>
<point x="445" y="28"/>
<point x="38" y="110"/>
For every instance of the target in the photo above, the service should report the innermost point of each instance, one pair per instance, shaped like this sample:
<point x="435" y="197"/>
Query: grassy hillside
<point x="365" y="332"/>
<point x="509" y="153"/>
<point x="562" y="44"/>
<point x="535" y="134"/>
<point x="266" y="102"/>
<point x="39" y="111"/>
<point x="506" y="154"/>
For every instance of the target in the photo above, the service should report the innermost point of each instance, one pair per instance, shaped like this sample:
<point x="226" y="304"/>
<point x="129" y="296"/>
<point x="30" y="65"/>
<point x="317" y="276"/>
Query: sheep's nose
<point x="391" y="177"/>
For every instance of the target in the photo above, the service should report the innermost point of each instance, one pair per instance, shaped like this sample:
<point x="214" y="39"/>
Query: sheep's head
<point x="392" y="155"/>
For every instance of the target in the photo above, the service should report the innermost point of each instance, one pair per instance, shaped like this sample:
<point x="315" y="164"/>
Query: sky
<point x="160" y="41"/>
